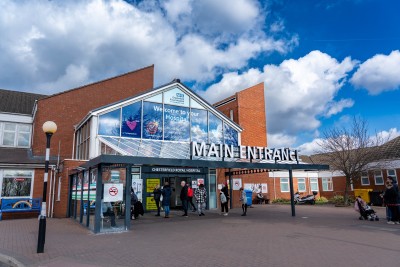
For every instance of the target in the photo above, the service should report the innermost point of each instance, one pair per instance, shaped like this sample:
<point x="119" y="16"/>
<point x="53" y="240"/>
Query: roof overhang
<point x="148" y="161"/>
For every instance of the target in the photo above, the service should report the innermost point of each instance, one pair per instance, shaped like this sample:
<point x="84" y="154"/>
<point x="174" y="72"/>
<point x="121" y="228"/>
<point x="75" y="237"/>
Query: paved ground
<point x="268" y="236"/>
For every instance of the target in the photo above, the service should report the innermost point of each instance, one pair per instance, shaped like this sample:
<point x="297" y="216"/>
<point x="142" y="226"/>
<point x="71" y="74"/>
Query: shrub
<point x="321" y="200"/>
<point x="281" y="201"/>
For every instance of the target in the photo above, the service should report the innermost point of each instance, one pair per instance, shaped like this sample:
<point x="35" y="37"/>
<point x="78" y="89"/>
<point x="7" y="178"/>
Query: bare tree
<point x="350" y="149"/>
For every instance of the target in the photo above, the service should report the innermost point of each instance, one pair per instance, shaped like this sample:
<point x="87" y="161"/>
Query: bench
<point x="19" y="208"/>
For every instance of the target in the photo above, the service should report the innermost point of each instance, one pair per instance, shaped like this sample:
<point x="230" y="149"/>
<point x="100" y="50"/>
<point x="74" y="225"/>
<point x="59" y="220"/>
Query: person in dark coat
<point x="134" y="200"/>
<point x="184" y="198"/>
<point x="224" y="206"/>
<point x="157" y="197"/>
<point x="390" y="197"/>
<point x="166" y="193"/>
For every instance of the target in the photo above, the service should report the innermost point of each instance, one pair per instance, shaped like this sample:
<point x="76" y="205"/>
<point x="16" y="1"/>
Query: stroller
<point x="366" y="212"/>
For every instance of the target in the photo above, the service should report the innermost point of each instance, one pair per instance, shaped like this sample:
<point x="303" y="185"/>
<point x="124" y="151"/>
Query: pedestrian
<point x="224" y="197"/>
<point x="166" y="193"/>
<point x="190" y="197"/>
<point x="243" y="199"/>
<point x="157" y="197"/>
<point x="184" y="198"/>
<point x="201" y="196"/>
<point x="390" y="197"/>
<point x="134" y="199"/>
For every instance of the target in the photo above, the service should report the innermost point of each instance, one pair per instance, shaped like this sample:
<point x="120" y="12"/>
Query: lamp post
<point x="49" y="128"/>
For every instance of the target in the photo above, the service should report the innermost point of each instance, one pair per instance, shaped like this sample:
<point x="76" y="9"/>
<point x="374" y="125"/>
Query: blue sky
<point x="321" y="61"/>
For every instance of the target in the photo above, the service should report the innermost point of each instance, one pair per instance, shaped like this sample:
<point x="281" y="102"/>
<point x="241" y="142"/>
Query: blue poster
<point x="215" y="129"/>
<point x="230" y="135"/>
<point x="152" y="121"/>
<point x="176" y="123"/>
<point x="109" y="123"/>
<point x="199" y="126"/>
<point x="131" y="120"/>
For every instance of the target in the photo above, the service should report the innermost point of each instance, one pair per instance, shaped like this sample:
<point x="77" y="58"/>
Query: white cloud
<point x="388" y="135"/>
<point x="379" y="74"/>
<point x="310" y="148"/>
<point x="280" y="140"/>
<point x="191" y="40"/>
<point x="297" y="92"/>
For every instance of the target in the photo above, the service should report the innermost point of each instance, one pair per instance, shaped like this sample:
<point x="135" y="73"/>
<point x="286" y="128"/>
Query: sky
<point x="322" y="61"/>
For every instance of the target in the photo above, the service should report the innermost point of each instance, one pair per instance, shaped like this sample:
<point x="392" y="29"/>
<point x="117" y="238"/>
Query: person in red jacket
<point x="190" y="197"/>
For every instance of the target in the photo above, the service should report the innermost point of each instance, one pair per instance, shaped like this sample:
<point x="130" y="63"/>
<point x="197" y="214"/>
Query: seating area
<point x="19" y="208"/>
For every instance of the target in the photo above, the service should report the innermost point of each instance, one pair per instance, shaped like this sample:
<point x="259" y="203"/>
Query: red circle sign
<point x="113" y="191"/>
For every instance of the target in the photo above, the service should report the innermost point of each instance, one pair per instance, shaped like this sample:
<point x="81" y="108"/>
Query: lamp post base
<point x="42" y="234"/>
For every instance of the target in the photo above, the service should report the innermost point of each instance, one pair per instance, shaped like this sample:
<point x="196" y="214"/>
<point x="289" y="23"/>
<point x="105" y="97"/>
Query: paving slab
<point x="268" y="236"/>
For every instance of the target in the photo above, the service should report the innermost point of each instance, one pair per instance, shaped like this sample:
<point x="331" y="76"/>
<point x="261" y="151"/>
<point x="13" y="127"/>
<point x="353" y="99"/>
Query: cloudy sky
<point x="322" y="62"/>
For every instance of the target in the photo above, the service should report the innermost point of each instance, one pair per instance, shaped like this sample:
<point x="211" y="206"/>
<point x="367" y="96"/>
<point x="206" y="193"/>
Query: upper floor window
<point x="15" y="134"/>
<point x="364" y="178"/>
<point x="378" y="177"/>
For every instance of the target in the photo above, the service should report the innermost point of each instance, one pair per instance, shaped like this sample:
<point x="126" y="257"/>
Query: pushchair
<point x="366" y="212"/>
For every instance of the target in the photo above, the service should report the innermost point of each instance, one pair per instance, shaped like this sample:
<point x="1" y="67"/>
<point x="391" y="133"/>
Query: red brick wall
<point x="68" y="108"/>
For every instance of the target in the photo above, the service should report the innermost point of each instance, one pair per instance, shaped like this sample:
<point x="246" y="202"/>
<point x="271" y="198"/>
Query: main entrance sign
<point x="243" y="152"/>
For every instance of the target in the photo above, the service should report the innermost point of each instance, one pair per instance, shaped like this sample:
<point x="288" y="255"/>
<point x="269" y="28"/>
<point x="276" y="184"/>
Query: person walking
<point x="134" y="200"/>
<point x="157" y="197"/>
<point x="201" y="196"/>
<point x="184" y="198"/>
<point x="224" y="197"/>
<point x="190" y="197"/>
<point x="243" y="199"/>
<point x="390" y="197"/>
<point x="166" y="193"/>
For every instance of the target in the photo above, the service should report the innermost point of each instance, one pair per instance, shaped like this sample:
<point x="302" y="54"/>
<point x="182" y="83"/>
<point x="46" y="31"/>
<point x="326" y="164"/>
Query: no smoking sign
<point x="113" y="192"/>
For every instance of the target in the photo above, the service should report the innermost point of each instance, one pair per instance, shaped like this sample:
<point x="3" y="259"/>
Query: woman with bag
<point x="224" y="197"/>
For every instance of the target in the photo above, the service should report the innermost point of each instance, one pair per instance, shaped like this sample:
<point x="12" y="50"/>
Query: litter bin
<point x="249" y="196"/>
<point x="376" y="199"/>
<point x="363" y="193"/>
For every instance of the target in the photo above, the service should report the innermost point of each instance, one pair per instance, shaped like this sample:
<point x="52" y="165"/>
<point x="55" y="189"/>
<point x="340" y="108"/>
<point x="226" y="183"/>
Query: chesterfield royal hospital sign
<point x="243" y="152"/>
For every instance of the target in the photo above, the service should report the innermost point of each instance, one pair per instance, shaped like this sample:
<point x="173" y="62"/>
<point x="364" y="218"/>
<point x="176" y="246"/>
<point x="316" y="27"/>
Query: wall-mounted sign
<point x="151" y="184"/>
<point x="237" y="183"/>
<point x="150" y="203"/>
<point x="244" y="152"/>
<point x="137" y="186"/>
<point x="172" y="170"/>
<point x="113" y="192"/>
<point x="200" y="181"/>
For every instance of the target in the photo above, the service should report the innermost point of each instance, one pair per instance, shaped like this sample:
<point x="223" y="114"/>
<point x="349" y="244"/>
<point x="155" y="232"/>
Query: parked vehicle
<point x="309" y="199"/>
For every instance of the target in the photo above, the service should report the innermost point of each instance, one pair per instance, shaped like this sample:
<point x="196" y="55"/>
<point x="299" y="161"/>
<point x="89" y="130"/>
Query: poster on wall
<point x="176" y="123"/>
<point x="150" y="203"/>
<point x="151" y="184"/>
<point x="152" y="121"/>
<point x="194" y="184"/>
<point x="237" y="183"/>
<point x="131" y="120"/>
<point x="137" y="186"/>
<point x="264" y="188"/>
<point x="113" y="192"/>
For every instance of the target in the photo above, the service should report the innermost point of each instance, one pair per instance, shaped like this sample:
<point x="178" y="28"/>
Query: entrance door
<point x="175" y="184"/>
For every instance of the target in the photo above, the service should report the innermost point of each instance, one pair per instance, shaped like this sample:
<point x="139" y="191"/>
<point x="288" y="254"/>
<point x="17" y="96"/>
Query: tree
<point x="351" y="150"/>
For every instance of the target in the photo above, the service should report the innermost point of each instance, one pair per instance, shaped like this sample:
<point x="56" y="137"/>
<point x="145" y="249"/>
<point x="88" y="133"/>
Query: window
<point x="15" y="134"/>
<point x="364" y="178"/>
<point x="301" y="184"/>
<point x="284" y="184"/>
<point x="16" y="183"/>
<point x="392" y="173"/>
<point x="378" y="177"/>
<point x="314" y="184"/>
<point x="327" y="184"/>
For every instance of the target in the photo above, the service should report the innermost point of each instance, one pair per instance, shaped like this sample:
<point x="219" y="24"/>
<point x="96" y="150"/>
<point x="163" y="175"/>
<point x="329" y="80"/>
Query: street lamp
<point x="49" y="128"/>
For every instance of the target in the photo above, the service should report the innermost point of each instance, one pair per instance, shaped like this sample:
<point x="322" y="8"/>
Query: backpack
<point x="223" y="198"/>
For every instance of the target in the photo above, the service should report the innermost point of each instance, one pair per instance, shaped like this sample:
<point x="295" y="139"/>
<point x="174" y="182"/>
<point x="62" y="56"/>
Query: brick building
<point x="123" y="132"/>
